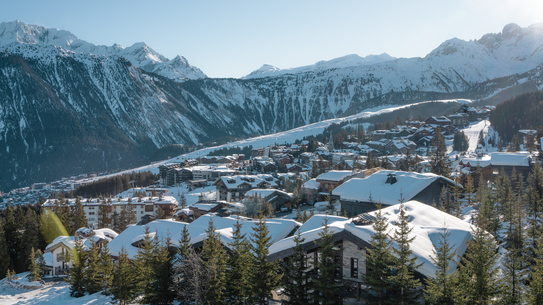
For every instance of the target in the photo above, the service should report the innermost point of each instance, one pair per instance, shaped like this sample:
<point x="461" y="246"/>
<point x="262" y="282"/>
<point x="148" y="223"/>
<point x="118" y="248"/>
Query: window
<point x="354" y="267"/>
<point x="91" y="213"/>
<point x="148" y="208"/>
<point x="91" y="208"/>
<point x="141" y="212"/>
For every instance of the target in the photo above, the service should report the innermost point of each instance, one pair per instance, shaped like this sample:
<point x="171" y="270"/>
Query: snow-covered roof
<point x="117" y="201"/>
<point x="334" y="175"/>
<point x="265" y="193"/>
<point x="232" y="182"/>
<point x="408" y="183"/>
<point x="312" y="184"/>
<point x="427" y="223"/>
<point x="510" y="159"/>
<point x="279" y="229"/>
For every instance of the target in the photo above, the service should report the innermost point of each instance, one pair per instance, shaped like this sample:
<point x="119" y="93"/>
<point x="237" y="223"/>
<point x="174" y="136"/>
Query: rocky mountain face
<point x="67" y="107"/>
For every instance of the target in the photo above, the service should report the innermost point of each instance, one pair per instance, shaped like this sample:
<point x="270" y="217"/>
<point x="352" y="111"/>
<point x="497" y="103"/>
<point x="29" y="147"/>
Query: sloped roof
<point x="408" y="183"/>
<point x="427" y="223"/>
<point x="334" y="175"/>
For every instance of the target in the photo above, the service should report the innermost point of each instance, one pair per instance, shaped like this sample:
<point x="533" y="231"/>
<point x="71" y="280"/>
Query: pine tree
<point x="79" y="219"/>
<point x="325" y="283"/>
<point x="40" y="261"/>
<point x="378" y="263"/>
<point x="124" y="217"/>
<point x="214" y="258"/>
<point x="405" y="284"/>
<point x="296" y="277"/>
<point x="34" y="270"/>
<point x="238" y="276"/>
<point x="5" y="259"/>
<point x="131" y="213"/>
<point x="31" y="235"/>
<point x="92" y="270"/>
<point x="442" y="289"/>
<point x="439" y="164"/>
<point x="479" y="281"/>
<point x="122" y="287"/>
<point x="77" y="275"/>
<point x="183" y="200"/>
<point x="469" y="191"/>
<point x="106" y="270"/>
<point x="103" y="215"/>
<point x="160" y="290"/>
<point x="534" y="203"/>
<point x="514" y="145"/>
<point x="143" y="262"/>
<point x="266" y="274"/>
<point x="535" y="294"/>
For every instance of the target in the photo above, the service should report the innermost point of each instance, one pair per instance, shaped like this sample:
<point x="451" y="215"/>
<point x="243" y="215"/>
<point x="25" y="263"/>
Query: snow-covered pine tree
<point x="106" y="270"/>
<point x="34" y="272"/>
<point x="296" y="277"/>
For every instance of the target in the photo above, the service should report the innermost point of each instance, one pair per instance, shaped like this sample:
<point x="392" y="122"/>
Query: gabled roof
<point x="510" y="159"/>
<point x="334" y="175"/>
<point x="408" y="183"/>
<point x="426" y="221"/>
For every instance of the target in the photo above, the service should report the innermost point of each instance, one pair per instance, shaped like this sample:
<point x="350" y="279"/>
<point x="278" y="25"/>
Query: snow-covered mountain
<point x="139" y="54"/>
<point x="352" y="60"/>
<point x="67" y="109"/>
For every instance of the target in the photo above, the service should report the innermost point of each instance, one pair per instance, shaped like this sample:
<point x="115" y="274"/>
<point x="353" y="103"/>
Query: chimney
<point x="391" y="178"/>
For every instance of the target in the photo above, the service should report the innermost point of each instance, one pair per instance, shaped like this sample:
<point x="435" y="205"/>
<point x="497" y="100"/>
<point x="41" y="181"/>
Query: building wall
<point x="352" y="251"/>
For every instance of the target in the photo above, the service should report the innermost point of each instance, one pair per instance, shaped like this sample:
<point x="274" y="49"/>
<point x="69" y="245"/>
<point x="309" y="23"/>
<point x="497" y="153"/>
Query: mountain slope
<point x="67" y="110"/>
<point x="139" y="54"/>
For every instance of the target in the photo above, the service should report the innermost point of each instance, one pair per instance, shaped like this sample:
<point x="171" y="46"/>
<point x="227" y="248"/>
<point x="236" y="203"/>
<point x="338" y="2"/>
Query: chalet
<point x="491" y="165"/>
<point x="167" y="174"/>
<point x="402" y="146"/>
<point x="293" y="168"/>
<point x="233" y="188"/>
<point x="351" y="238"/>
<point x="438" y="120"/>
<point x="332" y="179"/>
<point x="459" y="120"/>
<point x="388" y="187"/>
<point x="377" y="135"/>
<point x="276" y="197"/>
<point x="62" y="247"/>
<point x="202" y="208"/>
<point x="527" y="136"/>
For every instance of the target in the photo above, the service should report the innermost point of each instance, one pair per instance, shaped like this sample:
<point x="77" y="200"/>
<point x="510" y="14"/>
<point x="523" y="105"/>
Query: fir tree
<point x="535" y="294"/>
<point x="103" y="215"/>
<point x="405" y="284"/>
<point x="534" y="203"/>
<point x="325" y="283"/>
<point x="40" y="261"/>
<point x="79" y="220"/>
<point x="296" y="277"/>
<point x="479" y="282"/>
<point x="239" y="284"/>
<point x="514" y="145"/>
<point x="5" y="259"/>
<point x="34" y="271"/>
<point x="92" y="270"/>
<point x="143" y="262"/>
<point x="266" y="274"/>
<point x="106" y="270"/>
<point x="77" y="274"/>
<point x="442" y="289"/>
<point x="214" y="258"/>
<point x="131" y="214"/>
<point x="122" y="287"/>
<point x="161" y="290"/>
<point x="378" y="262"/>
<point x="183" y="200"/>
<point x="439" y="164"/>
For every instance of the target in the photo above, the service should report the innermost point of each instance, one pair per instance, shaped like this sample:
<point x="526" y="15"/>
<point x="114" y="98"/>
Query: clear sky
<point x="234" y="38"/>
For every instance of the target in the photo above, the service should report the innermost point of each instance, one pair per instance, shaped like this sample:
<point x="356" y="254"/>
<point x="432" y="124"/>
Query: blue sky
<point x="233" y="38"/>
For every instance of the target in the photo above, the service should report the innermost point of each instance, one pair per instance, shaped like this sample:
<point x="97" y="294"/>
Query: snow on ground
<point x="472" y="133"/>
<point x="289" y="136"/>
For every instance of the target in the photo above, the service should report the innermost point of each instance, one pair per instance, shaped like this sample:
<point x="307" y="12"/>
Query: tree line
<point x="114" y="185"/>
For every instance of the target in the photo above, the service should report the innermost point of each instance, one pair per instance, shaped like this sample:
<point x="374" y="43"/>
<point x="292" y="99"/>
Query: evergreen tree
<point x="296" y="277"/>
<point x="183" y="200"/>
<point x="79" y="220"/>
<point x="92" y="270"/>
<point x="469" y="191"/>
<point x="478" y="276"/>
<point x="378" y="263"/>
<point x="106" y="270"/>
<point x="34" y="271"/>
<point x="439" y="163"/>
<point x="535" y="294"/>
<point x="131" y="218"/>
<point x="215" y="260"/>
<point x="442" y="289"/>
<point x="40" y="261"/>
<point x="103" y="215"/>
<point x="514" y="145"/>
<point x="239" y="284"/>
<point x="77" y="274"/>
<point x="5" y="260"/>
<point x="124" y="217"/>
<point x="534" y="203"/>
<point x="122" y="287"/>
<point x="30" y="236"/>
<point x="326" y="282"/>
<point x="266" y="274"/>
<point x="405" y="284"/>
<point x="460" y="141"/>
<point x="143" y="262"/>
<point x="161" y="290"/>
